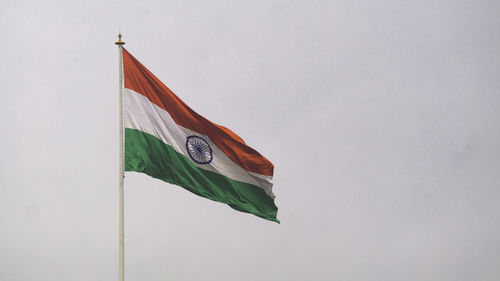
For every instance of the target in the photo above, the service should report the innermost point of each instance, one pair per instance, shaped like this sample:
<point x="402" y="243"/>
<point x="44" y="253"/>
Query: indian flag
<point x="167" y="140"/>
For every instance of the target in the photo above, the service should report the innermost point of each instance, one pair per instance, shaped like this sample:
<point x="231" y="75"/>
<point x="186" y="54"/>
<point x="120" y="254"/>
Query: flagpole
<point x="121" y="266"/>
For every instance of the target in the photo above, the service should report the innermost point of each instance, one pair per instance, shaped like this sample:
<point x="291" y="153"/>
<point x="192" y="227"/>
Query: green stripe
<point x="147" y="154"/>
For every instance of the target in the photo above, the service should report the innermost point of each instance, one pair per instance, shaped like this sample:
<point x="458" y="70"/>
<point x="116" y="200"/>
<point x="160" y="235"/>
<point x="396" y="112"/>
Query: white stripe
<point x="143" y="115"/>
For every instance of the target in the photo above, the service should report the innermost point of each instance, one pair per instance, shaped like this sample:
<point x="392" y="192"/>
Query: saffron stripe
<point x="139" y="79"/>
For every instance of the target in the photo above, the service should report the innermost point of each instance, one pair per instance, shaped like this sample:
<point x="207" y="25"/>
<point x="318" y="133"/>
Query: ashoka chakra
<point x="199" y="150"/>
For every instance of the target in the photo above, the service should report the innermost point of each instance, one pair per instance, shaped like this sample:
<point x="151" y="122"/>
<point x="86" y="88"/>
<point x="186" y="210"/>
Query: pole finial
<point x="120" y="42"/>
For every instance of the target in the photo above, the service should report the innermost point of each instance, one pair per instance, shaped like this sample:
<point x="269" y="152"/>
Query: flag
<point x="167" y="140"/>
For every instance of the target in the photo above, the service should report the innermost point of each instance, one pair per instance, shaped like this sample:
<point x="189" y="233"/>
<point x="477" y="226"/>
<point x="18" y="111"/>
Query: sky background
<point x="381" y="118"/>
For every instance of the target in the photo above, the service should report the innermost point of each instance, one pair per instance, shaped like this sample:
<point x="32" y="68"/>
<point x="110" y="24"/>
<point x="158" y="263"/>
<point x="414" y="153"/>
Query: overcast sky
<point x="381" y="118"/>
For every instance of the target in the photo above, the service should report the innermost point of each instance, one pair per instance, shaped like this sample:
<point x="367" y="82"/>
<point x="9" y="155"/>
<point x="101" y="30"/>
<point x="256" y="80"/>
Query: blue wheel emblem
<point x="199" y="150"/>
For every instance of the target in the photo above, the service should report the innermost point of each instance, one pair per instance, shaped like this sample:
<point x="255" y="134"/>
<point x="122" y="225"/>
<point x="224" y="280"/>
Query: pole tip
<point x="119" y="42"/>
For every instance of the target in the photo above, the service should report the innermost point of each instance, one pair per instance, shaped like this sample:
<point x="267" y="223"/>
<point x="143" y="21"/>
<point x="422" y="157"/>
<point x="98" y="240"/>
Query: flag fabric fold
<point x="167" y="140"/>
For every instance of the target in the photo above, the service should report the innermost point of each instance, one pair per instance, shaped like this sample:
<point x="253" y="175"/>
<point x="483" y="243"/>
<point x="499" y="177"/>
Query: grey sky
<point x="381" y="118"/>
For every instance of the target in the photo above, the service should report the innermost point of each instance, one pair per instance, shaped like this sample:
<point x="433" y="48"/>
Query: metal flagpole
<point x="121" y="267"/>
